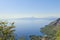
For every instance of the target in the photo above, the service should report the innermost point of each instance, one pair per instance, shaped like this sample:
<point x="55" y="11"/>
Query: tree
<point x="6" y="31"/>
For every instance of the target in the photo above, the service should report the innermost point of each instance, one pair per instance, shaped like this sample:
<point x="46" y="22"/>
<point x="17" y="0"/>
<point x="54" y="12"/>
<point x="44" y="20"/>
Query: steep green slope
<point x="51" y="29"/>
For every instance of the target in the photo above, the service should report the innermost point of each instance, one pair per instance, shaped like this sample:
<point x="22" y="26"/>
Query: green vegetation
<point x="33" y="37"/>
<point x="58" y="34"/>
<point x="6" y="31"/>
<point x="49" y="30"/>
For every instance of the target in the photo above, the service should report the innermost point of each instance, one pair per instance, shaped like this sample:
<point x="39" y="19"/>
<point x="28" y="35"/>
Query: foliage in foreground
<point x="6" y="31"/>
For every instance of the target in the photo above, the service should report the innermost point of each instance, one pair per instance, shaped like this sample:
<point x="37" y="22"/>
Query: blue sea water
<point x="30" y="27"/>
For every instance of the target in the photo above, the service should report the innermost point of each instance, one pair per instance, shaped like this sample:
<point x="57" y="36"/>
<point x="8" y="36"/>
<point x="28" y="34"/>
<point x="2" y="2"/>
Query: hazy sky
<point x="29" y="8"/>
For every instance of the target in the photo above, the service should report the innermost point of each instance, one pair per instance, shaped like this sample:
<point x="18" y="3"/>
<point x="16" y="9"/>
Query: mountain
<point x="51" y="29"/>
<point x="34" y="18"/>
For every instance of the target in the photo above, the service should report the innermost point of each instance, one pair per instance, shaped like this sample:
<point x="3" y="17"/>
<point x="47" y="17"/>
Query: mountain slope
<point x="51" y="29"/>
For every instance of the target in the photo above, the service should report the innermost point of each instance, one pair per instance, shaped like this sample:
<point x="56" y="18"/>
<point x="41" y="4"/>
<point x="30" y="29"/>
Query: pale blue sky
<point x="29" y="8"/>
